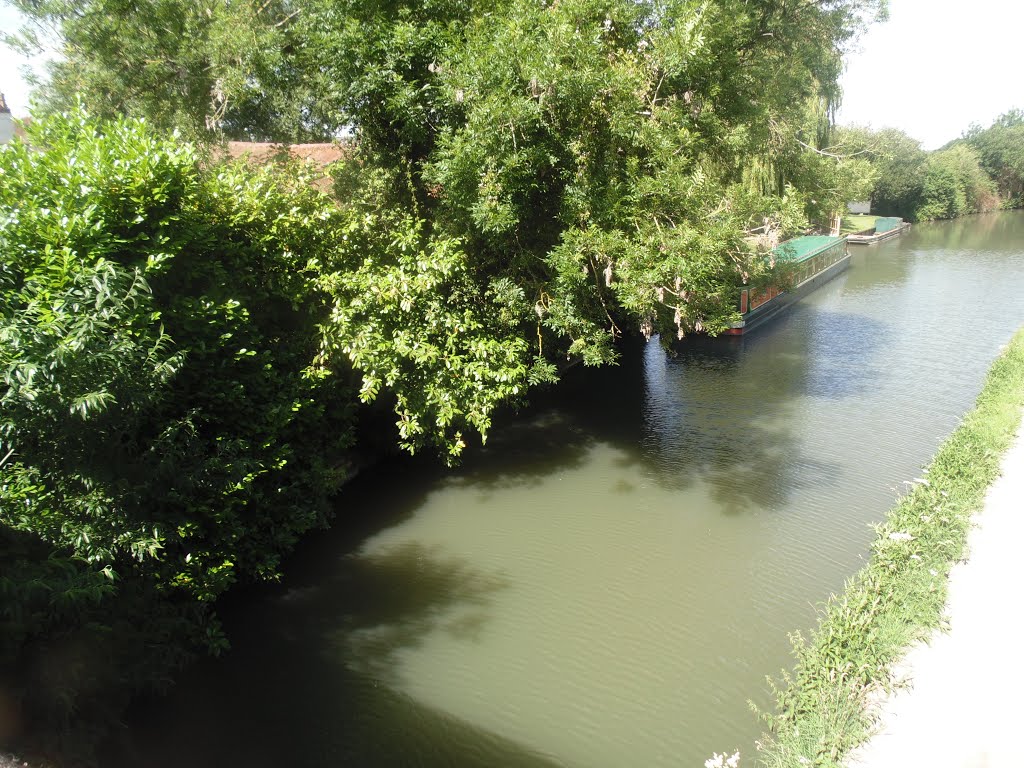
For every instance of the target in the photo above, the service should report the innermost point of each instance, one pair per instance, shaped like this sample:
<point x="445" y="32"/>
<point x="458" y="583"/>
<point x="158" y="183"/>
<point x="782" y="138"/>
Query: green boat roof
<point x="802" y="248"/>
<point x="886" y="224"/>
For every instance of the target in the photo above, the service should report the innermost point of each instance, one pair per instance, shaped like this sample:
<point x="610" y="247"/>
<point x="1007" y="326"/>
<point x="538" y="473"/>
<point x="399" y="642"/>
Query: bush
<point x="162" y="436"/>
<point x="955" y="185"/>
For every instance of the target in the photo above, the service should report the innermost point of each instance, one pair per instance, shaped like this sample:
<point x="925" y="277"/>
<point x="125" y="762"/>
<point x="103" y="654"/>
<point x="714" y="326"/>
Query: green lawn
<point x="855" y="222"/>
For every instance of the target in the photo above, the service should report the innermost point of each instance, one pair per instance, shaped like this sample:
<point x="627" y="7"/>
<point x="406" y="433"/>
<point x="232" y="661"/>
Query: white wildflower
<point x="900" y="536"/>
<point x="721" y="761"/>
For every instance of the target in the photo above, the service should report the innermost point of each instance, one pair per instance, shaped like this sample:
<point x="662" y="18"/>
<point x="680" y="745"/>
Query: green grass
<point x="823" y="707"/>
<point x="855" y="222"/>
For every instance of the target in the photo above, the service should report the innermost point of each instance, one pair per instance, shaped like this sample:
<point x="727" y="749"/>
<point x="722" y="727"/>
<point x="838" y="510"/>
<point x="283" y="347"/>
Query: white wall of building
<point x="6" y="127"/>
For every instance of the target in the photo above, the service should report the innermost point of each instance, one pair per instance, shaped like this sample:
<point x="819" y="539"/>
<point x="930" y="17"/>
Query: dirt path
<point x="965" y="703"/>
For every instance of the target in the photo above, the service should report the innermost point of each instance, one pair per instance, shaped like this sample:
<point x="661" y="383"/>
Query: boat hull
<point x="767" y="311"/>
<point x="859" y="239"/>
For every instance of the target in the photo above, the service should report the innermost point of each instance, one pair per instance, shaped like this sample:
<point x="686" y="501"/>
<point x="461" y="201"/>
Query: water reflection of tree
<point x="314" y="678"/>
<point x="876" y="266"/>
<point x="992" y="232"/>
<point x="720" y="412"/>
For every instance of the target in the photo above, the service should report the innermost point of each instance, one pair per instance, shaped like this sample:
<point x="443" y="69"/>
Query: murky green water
<point x="611" y="580"/>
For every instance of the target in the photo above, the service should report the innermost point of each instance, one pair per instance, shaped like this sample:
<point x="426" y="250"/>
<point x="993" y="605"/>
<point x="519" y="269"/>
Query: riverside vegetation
<point x="981" y="171"/>
<point x="195" y="353"/>
<point x="824" y="708"/>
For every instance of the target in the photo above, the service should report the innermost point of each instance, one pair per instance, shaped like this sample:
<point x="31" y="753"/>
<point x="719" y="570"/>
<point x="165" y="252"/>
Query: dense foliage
<point x="160" y="431"/>
<point x="898" y="163"/>
<point x="954" y="185"/>
<point x="575" y="170"/>
<point x="532" y="179"/>
<point x="1000" y="149"/>
<point x="982" y="171"/>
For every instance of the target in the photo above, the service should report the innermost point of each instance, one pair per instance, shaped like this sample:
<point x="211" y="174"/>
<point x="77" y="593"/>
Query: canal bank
<point x="847" y="672"/>
<point x="964" y="683"/>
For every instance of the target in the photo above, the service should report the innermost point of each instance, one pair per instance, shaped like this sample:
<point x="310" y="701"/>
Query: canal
<point x="611" y="580"/>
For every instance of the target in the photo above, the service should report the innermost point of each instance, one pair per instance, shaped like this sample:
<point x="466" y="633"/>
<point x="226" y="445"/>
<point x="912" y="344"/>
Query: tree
<point x="1000" y="150"/>
<point x="584" y="161"/>
<point x="898" y="164"/>
<point x="955" y="185"/>
<point x="236" y="66"/>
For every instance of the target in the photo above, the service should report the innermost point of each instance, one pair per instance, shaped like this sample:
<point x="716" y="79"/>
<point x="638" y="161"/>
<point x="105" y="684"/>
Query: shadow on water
<point x="728" y="412"/>
<point x="524" y="453"/>
<point x="373" y="607"/>
<point x="562" y="426"/>
<point x="315" y="681"/>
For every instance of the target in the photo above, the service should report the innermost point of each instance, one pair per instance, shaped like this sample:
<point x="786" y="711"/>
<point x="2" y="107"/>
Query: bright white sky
<point x="12" y="83"/>
<point x="936" y="67"/>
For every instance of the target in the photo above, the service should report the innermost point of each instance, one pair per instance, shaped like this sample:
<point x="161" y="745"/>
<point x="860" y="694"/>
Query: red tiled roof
<point x="321" y="154"/>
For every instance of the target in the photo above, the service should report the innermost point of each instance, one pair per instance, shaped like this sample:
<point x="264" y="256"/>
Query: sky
<point x="933" y="69"/>
<point x="12" y="83"/>
<point x="936" y="67"/>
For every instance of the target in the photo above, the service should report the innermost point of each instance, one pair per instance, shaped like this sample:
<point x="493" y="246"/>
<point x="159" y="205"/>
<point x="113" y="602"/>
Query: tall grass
<point x="824" y="707"/>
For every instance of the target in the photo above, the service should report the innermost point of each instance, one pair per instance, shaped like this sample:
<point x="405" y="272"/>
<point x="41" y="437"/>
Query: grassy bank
<point x="856" y="222"/>
<point x="823" y="707"/>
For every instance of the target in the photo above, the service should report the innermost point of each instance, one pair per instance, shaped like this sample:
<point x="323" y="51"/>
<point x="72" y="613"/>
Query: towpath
<point x="965" y="702"/>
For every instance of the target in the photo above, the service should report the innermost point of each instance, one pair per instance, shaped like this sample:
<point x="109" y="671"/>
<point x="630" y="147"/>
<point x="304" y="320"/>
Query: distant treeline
<point x="981" y="171"/>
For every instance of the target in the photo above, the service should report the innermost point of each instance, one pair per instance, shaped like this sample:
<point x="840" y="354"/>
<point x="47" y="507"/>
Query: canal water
<point x="609" y="583"/>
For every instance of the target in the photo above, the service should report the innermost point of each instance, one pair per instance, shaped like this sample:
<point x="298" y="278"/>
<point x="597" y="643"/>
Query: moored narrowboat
<point x="810" y="261"/>
<point x="885" y="227"/>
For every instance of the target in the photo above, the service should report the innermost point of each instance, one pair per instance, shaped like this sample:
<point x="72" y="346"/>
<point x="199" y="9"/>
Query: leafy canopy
<point x="156" y="321"/>
<point x="530" y="179"/>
